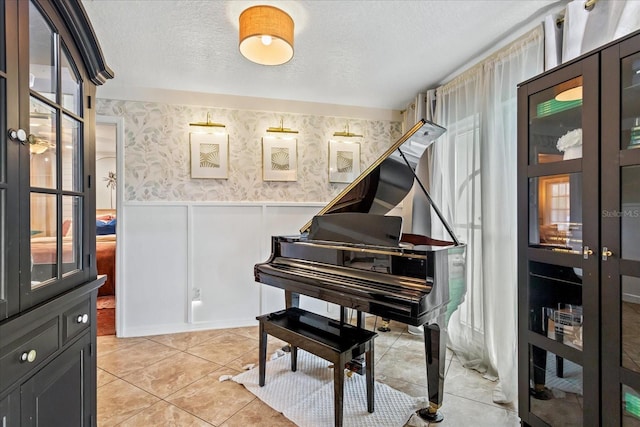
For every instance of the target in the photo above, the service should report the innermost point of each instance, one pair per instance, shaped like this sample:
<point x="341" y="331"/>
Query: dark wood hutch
<point x="50" y="65"/>
<point x="579" y="241"/>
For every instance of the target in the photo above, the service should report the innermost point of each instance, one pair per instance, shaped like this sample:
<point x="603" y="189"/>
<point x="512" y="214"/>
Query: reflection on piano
<point x="353" y="255"/>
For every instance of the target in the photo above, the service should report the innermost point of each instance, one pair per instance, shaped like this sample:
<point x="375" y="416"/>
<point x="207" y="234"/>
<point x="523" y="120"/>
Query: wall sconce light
<point x="266" y="35"/>
<point x="208" y="123"/>
<point x="346" y="133"/>
<point x="281" y="129"/>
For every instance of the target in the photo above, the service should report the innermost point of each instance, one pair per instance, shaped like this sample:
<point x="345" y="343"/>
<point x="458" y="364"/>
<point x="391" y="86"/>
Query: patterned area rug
<point x="306" y="396"/>
<point x="106" y="315"/>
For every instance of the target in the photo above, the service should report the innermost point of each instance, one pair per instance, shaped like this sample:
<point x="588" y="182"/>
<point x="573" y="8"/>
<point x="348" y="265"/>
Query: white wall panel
<point x="178" y="252"/>
<point x="225" y="248"/>
<point x="282" y="221"/>
<point x="155" y="264"/>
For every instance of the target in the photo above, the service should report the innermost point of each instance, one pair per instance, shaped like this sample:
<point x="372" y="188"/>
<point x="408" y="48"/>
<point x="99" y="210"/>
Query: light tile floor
<point x="173" y="380"/>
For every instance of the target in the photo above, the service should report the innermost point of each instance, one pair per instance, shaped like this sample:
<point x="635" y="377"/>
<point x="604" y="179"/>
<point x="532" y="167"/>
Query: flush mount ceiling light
<point x="572" y="94"/>
<point x="266" y="35"/>
<point x="571" y="90"/>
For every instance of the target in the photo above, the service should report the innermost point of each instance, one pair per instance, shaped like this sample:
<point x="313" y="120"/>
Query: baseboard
<point x="634" y="299"/>
<point x="184" y="327"/>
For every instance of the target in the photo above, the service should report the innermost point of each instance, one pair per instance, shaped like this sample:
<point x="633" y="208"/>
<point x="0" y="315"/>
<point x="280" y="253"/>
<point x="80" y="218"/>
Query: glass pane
<point x="555" y="388"/>
<point x="3" y="129"/>
<point x="44" y="238"/>
<point x="70" y="85"/>
<point x="71" y="233"/>
<point x="3" y="62"/>
<point x="43" y="147"/>
<point x="555" y="302"/>
<point x="42" y="69"/>
<point x="630" y="117"/>
<point x="555" y="212"/>
<point x="70" y="154"/>
<point x="630" y="212"/>
<point x="631" y="322"/>
<point x="555" y="125"/>
<point x="3" y="271"/>
<point x="106" y="177"/>
<point x="630" y="407"/>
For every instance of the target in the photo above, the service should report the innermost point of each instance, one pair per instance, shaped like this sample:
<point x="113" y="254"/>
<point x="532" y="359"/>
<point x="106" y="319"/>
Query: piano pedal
<point x="286" y="348"/>
<point x="385" y="326"/>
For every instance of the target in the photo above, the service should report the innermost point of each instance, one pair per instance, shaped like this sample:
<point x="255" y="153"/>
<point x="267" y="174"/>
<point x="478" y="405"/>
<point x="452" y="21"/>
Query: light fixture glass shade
<point x="259" y="21"/>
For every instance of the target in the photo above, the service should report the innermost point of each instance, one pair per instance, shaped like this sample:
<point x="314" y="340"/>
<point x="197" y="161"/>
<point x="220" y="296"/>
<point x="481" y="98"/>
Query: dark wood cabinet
<point x="55" y="396"/>
<point x="50" y="64"/>
<point x="579" y="241"/>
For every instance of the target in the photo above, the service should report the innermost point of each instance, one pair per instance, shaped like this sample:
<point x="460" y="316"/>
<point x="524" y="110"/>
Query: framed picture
<point x="209" y="155"/>
<point x="279" y="158"/>
<point x="344" y="161"/>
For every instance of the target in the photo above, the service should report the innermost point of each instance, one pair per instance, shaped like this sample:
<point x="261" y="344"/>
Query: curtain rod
<point x="588" y="5"/>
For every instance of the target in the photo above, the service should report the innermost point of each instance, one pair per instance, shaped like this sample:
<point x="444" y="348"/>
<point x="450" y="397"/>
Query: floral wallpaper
<point x="157" y="154"/>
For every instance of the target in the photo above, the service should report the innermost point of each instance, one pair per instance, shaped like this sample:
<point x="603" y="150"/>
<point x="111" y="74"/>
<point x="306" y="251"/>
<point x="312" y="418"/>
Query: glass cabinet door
<point x="621" y="235"/>
<point x="10" y="145"/>
<point x="56" y="164"/>
<point x="4" y="142"/>
<point x="559" y="238"/>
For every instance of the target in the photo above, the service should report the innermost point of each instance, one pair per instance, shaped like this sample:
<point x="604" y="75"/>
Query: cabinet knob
<point x="606" y="253"/>
<point x="82" y="318"/>
<point x="28" y="356"/>
<point x="21" y="136"/>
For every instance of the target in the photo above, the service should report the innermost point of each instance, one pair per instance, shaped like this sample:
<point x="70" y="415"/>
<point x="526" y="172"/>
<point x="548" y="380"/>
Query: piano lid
<point x="385" y="183"/>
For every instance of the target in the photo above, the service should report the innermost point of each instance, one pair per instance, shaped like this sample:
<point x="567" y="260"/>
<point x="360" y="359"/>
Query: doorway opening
<point x="108" y="212"/>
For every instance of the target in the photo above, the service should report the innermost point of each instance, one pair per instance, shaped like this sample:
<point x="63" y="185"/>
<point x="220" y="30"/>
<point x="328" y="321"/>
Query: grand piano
<point x="355" y="255"/>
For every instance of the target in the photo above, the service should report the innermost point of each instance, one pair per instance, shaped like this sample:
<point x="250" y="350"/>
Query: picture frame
<point x="344" y="161"/>
<point x="279" y="158"/>
<point x="209" y="155"/>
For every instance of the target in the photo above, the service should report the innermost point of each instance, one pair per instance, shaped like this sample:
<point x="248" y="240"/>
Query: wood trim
<point x="76" y="20"/>
<point x="610" y="326"/>
<point x="524" y="410"/>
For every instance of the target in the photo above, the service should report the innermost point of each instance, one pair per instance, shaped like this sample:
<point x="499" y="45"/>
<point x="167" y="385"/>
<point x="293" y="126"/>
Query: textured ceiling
<point x="356" y="52"/>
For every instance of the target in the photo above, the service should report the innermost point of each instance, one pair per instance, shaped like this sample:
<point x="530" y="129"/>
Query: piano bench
<point x="329" y="339"/>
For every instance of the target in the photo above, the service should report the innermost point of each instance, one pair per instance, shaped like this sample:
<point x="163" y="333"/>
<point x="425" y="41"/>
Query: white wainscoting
<point x="189" y="265"/>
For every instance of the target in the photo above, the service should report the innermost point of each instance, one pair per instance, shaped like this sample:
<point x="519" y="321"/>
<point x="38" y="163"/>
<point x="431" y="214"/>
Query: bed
<point x="106" y="262"/>
<point x="43" y="251"/>
<point x="106" y="249"/>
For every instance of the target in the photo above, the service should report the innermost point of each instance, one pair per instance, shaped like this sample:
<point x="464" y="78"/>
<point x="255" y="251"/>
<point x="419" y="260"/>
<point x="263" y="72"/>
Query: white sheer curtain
<point x="585" y="30"/>
<point x="474" y="183"/>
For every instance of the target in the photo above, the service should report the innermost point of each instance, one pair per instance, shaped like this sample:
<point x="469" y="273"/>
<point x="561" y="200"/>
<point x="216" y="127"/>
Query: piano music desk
<point x="329" y="339"/>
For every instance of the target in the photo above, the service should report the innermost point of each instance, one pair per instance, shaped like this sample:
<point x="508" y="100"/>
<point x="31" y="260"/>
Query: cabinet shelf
<point x="555" y="347"/>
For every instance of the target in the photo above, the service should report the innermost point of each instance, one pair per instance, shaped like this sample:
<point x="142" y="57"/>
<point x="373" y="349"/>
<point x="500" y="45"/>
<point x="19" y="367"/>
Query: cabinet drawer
<point x="25" y="353"/>
<point x="76" y="320"/>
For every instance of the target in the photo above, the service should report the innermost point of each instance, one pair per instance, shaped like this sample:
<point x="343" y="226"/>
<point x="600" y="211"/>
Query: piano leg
<point x="360" y="321"/>
<point x="435" y="343"/>
<point x="262" y="354"/>
<point x="291" y="299"/>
